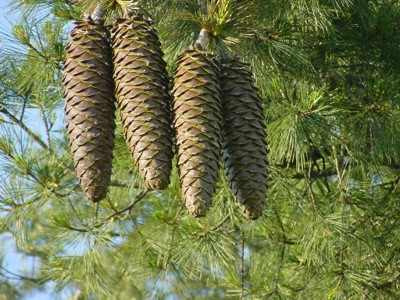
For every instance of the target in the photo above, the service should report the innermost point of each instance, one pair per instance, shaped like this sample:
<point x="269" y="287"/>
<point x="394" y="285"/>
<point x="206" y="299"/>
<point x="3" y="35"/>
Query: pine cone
<point x="244" y="142"/>
<point x="197" y="121"/>
<point x="142" y="93"/>
<point x="89" y="106"/>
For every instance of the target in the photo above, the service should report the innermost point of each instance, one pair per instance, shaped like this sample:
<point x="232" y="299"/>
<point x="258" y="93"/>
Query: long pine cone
<point x="142" y="94"/>
<point x="244" y="142"/>
<point x="89" y="106"/>
<point x="197" y="122"/>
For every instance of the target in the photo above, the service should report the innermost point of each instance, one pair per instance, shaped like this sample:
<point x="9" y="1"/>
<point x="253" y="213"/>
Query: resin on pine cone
<point x="89" y="105"/>
<point x="197" y="123"/>
<point x="244" y="141"/>
<point x="142" y="95"/>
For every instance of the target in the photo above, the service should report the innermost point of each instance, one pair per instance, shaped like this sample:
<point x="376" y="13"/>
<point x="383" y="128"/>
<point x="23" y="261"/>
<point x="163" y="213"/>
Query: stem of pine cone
<point x="98" y="14"/>
<point x="202" y="39"/>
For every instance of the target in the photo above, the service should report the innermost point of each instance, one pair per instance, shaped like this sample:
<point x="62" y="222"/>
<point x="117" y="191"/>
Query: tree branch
<point x="214" y="228"/>
<point x="315" y="174"/>
<point x="47" y="127"/>
<point x="24" y="128"/>
<point x="10" y="275"/>
<point x="310" y="190"/>
<point x="242" y="270"/>
<point x="140" y="197"/>
<point x="119" y="183"/>
<point x="283" y="250"/>
<point x="219" y="225"/>
<point x="388" y="283"/>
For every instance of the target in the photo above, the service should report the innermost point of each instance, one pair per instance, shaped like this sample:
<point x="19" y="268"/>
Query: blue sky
<point x="5" y="17"/>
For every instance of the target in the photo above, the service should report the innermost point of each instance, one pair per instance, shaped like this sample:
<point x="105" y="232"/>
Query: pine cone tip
<point x="196" y="206"/>
<point x="93" y="194"/>
<point x="157" y="183"/>
<point x="251" y="212"/>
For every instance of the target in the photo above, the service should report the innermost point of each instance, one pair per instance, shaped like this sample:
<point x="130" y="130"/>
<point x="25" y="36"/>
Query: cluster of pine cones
<point x="214" y="112"/>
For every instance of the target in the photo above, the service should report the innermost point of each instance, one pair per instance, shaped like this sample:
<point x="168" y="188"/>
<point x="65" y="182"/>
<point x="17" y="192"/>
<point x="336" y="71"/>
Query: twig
<point x="309" y="188"/>
<point x="346" y="200"/>
<point x="173" y="230"/>
<point x="23" y="109"/>
<point x="214" y="228"/>
<point x="98" y="14"/>
<point x="388" y="283"/>
<point x="315" y="174"/>
<point x="242" y="270"/>
<point x="283" y="251"/>
<point x="130" y="206"/>
<point x="339" y="176"/>
<point x="24" y="128"/>
<point x="10" y="275"/>
<point x="119" y="183"/>
<point x="219" y="225"/>
<point x="78" y="295"/>
<point x="46" y="127"/>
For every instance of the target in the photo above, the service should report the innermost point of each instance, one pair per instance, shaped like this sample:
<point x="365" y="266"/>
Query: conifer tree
<point x="328" y="77"/>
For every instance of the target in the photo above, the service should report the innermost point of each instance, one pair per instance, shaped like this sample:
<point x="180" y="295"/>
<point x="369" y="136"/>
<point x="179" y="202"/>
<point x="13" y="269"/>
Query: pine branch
<point x="216" y="227"/>
<point x="24" y="128"/>
<point x="36" y="179"/>
<point x="120" y="183"/>
<point x="46" y="125"/>
<point x="173" y="231"/>
<point x="283" y="250"/>
<point x="307" y="176"/>
<point x="11" y="275"/>
<point x="78" y="295"/>
<point x="23" y="108"/>
<point x="389" y="283"/>
<point x="134" y="201"/>
<point x="220" y="224"/>
<point x="315" y="174"/>
<point x="128" y="208"/>
<point x="341" y="187"/>
<point x="308" y="281"/>
<point x="242" y="267"/>
<point x="34" y="49"/>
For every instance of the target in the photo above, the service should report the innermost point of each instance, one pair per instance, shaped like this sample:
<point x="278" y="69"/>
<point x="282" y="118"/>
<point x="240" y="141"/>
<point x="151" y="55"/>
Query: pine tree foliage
<point x="328" y="75"/>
